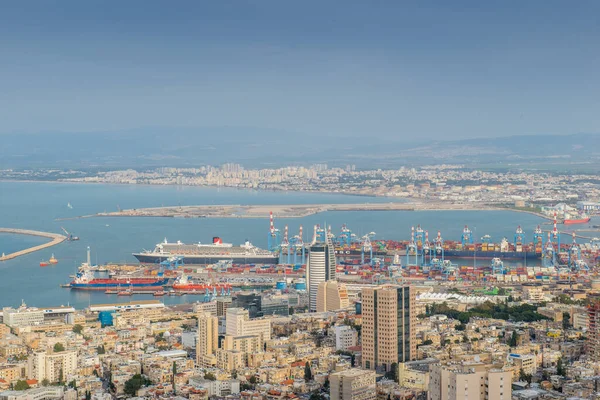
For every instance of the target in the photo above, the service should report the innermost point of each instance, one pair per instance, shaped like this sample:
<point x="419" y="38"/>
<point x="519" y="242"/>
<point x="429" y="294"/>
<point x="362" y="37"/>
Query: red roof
<point x="31" y="382"/>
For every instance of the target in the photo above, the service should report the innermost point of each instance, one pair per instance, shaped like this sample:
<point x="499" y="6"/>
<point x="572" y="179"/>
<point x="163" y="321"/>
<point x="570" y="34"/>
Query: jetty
<point x="55" y="239"/>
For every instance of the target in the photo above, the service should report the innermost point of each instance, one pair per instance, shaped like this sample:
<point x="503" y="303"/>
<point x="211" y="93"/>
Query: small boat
<point x="125" y="293"/>
<point x="44" y="263"/>
<point x="159" y="293"/>
<point x="70" y="206"/>
<point x="53" y="260"/>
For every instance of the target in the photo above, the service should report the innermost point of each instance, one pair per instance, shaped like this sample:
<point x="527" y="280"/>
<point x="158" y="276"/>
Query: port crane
<point x="285" y="247"/>
<point x="412" y="254"/>
<point x="467" y="236"/>
<point x="298" y="244"/>
<point x="427" y="253"/>
<point x="367" y="246"/>
<point x="70" y="237"/>
<point x="274" y="238"/>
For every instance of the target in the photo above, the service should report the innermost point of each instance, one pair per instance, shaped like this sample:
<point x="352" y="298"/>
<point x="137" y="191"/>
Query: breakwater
<point x="55" y="239"/>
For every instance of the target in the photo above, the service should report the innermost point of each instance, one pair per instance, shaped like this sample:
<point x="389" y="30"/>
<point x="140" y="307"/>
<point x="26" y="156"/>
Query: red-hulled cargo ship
<point x="581" y="219"/>
<point x="85" y="280"/>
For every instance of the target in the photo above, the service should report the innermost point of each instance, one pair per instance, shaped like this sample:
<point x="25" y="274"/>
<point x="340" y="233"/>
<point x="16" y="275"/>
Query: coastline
<point x="417" y="204"/>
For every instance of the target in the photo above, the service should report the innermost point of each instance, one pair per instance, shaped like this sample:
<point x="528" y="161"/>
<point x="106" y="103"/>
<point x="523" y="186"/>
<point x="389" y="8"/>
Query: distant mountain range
<point x="269" y="148"/>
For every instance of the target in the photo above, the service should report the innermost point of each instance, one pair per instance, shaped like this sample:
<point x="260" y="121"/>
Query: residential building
<point x="593" y="335"/>
<point x="353" y="384"/>
<point x="51" y="366"/>
<point x="525" y="362"/>
<point x="208" y="338"/>
<point x="533" y="293"/>
<point x="223" y="304"/>
<point x="219" y="387"/>
<point x="388" y="329"/>
<point x="238" y="323"/>
<point x="331" y="295"/>
<point x="206" y="307"/>
<point x="345" y="337"/>
<point x="469" y="381"/>
<point x="320" y="267"/>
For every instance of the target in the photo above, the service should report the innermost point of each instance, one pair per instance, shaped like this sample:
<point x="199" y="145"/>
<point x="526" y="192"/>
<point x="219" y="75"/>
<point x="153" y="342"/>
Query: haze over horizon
<point x="433" y="70"/>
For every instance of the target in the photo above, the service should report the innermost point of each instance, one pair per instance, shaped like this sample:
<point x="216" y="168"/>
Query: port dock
<point x="55" y="239"/>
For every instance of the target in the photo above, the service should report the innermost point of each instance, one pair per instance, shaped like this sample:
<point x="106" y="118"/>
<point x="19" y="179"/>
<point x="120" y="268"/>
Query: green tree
<point x="560" y="368"/>
<point x="234" y="374"/>
<point x="61" y="377"/>
<point x="352" y="360"/>
<point x="392" y="374"/>
<point x="77" y="329"/>
<point x="45" y="382"/>
<point x="317" y="396"/>
<point x="88" y="395"/>
<point x="100" y="349"/>
<point x="58" y="347"/>
<point x="73" y="384"/>
<point x="512" y="342"/>
<point x="566" y="322"/>
<point x="307" y="372"/>
<point x="173" y="378"/>
<point x="135" y="383"/>
<point x="427" y="342"/>
<point x="253" y="380"/>
<point x="524" y="377"/>
<point x="21" y="385"/>
<point x="210" y="376"/>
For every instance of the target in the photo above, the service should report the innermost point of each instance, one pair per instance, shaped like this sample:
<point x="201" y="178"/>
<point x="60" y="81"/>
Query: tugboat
<point x="53" y="260"/>
<point x="44" y="263"/>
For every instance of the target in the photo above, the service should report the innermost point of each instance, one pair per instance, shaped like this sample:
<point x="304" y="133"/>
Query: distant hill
<point x="266" y="148"/>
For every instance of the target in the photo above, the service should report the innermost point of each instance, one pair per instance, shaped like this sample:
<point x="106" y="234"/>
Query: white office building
<point x="320" y="267"/>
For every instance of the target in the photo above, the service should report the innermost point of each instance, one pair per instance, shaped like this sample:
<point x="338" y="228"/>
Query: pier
<point x="55" y="239"/>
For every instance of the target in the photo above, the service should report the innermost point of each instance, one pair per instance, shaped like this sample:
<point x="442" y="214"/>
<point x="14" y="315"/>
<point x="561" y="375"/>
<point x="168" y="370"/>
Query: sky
<point x="366" y="69"/>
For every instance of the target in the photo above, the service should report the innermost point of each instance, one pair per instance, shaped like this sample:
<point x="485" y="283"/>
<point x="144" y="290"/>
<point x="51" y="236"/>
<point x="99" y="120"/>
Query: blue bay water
<point x="36" y="205"/>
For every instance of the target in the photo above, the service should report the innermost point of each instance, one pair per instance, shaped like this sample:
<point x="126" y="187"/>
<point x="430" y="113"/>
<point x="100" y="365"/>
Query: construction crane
<point x="70" y="237"/>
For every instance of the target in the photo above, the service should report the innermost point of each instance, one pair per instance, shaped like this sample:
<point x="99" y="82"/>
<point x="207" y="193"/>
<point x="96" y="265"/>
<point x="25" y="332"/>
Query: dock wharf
<point x="55" y="239"/>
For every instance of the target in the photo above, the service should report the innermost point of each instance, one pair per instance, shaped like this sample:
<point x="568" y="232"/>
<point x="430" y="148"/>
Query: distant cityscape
<point x="450" y="183"/>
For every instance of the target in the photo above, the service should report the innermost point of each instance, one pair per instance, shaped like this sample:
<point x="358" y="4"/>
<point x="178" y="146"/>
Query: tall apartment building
<point x="388" y="329"/>
<point x="320" y="267"/>
<point x="238" y="323"/>
<point x="353" y="384"/>
<point x="593" y="342"/>
<point x="332" y="295"/>
<point x="51" y="366"/>
<point x="469" y="381"/>
<point x="208" y="338"/>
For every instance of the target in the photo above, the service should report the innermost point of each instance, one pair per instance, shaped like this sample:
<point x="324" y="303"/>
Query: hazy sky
<point x="439" y="69"/>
